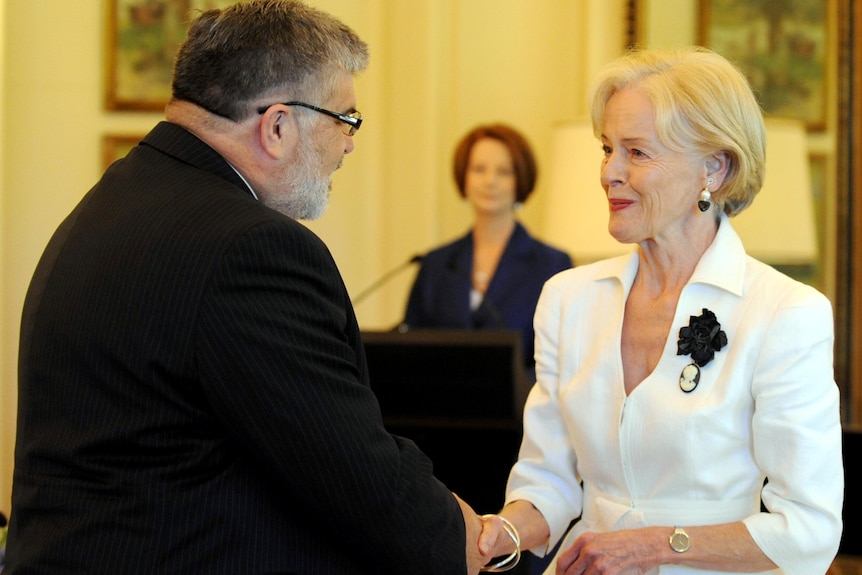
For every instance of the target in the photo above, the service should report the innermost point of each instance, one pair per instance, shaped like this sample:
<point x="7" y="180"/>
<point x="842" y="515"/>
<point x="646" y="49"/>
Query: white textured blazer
<point x="766" y="408"/>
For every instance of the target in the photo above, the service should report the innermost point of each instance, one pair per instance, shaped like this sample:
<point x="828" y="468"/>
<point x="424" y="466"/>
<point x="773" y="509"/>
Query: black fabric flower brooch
<point x="701" y="338"/>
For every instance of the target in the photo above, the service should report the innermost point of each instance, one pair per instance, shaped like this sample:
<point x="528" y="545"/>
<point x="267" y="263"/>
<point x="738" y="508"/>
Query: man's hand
<point x="473" y="525"/>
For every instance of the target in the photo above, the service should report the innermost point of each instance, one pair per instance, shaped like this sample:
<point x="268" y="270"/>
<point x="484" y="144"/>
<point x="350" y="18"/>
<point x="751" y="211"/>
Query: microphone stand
<point x="383" y="279"/>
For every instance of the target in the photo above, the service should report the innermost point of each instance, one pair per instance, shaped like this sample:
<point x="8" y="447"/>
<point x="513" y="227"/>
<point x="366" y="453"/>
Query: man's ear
<point x="274" y="130"/>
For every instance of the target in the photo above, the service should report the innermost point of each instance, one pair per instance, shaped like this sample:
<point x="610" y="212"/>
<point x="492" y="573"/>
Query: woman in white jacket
<point x="685" y="410"/>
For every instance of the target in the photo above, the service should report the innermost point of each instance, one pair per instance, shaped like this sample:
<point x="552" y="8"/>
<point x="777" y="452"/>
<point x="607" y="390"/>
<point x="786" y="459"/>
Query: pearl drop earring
<point x="704" y="203"/>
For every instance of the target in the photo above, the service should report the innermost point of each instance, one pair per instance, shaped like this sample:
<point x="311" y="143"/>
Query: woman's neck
<point x="667" y="268"/>
<point x="490" y="236"/>
<point x="493" y="230"/>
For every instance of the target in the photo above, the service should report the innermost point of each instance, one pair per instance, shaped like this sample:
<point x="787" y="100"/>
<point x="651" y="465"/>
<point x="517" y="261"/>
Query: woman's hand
<point x="724" y="547"/>
<point x="629" y="552"/>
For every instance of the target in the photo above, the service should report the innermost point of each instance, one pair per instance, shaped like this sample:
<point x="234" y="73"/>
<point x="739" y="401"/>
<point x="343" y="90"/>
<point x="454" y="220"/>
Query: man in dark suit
<point x="193" y="392"/>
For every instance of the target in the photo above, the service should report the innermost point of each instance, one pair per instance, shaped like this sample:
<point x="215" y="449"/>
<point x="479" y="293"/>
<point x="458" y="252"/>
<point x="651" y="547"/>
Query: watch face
<point x="680" y="541"/>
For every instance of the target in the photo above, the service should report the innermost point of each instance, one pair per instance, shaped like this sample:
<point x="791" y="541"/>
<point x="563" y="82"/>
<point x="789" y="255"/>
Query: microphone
<point x="385" y="278"/>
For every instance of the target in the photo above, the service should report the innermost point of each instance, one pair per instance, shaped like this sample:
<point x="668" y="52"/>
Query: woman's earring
<point x="704" y="202"/>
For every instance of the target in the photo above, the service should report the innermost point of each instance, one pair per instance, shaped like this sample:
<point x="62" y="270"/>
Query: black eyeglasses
<point x="352" y="121"/>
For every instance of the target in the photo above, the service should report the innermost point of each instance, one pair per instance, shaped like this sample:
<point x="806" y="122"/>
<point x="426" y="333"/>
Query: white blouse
<point x="766" y="408"/>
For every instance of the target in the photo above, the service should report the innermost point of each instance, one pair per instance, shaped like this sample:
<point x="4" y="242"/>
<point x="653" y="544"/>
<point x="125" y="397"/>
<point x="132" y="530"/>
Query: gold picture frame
<point x="115" y="147"/>
<point x="142" y="41"/>
<point x="782" y="47"/>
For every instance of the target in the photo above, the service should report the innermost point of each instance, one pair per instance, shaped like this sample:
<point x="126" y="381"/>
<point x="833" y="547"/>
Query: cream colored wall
<point x="437" y="69"/>
<point x="457" y="63"/>
<point x="7" y="397"/>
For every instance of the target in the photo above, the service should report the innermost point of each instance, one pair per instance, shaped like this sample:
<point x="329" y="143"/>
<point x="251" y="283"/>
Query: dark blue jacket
<point x="440" y="297"/>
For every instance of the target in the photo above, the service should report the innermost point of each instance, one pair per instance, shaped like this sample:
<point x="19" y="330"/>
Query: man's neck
<point x="225" y="136"/>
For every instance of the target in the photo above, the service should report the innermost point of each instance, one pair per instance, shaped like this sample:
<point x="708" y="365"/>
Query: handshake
<point x="496" y="538"/>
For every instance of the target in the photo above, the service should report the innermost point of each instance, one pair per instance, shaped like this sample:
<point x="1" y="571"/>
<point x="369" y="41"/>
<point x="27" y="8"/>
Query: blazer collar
<point x="519" y="242"/>
<point x="182" y="145"/>
<point x="722" y="265"/>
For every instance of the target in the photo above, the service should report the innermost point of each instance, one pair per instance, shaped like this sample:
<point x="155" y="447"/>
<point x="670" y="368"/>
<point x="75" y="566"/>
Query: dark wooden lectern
<point x="459" y="395"/>
<point x="851" y="539"/>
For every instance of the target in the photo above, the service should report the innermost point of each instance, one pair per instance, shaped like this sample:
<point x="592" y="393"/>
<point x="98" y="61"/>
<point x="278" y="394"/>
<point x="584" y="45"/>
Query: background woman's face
<point x="489" y="184"/>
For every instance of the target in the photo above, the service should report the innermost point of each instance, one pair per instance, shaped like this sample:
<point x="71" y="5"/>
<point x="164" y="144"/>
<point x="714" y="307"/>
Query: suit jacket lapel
<point x="510" y="265"/>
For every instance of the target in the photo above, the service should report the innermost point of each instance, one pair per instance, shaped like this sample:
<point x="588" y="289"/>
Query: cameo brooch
<point x="700" y="339"/>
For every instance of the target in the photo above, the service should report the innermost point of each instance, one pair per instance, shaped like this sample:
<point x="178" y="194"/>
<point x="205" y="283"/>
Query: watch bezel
<point x="679" y="540"/>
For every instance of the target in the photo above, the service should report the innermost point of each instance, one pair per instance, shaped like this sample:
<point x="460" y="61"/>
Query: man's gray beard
<point x="306" y="194"/>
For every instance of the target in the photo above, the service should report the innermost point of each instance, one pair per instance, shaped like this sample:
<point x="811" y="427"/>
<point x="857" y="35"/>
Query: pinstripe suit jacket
<point x="194" y="397"/>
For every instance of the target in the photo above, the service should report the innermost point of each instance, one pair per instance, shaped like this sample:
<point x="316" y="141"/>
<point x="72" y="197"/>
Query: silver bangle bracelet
<point x="514" y="558"/>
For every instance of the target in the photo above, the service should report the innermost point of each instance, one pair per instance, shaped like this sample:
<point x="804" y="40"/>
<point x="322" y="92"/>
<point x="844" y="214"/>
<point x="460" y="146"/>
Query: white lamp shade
<point x="778" y="227"/>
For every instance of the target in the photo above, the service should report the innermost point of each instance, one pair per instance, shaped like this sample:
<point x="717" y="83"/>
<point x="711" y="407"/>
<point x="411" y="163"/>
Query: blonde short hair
<point x="703" y="104"/>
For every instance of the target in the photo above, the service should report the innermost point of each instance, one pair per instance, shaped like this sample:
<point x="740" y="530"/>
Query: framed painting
<point x="142" y="40"/>
<point x="781" y="46"/>
<point x="115" y="147"/>
<point x="633" y="21"/>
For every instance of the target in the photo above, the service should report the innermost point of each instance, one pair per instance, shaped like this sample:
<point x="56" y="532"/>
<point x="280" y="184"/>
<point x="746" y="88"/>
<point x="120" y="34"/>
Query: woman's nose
<point x="612" y="170"/>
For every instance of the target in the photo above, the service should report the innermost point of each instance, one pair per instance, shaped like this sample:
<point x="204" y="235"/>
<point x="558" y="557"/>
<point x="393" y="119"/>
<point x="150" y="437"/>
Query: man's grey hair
<point x="234" y="58"/>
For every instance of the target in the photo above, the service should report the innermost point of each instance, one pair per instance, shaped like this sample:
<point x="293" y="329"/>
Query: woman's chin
<point x="622" y="234"/>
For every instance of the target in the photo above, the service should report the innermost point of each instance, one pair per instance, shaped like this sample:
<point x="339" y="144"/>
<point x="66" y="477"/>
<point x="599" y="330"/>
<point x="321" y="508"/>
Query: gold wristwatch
<point x="679" y="540"/>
